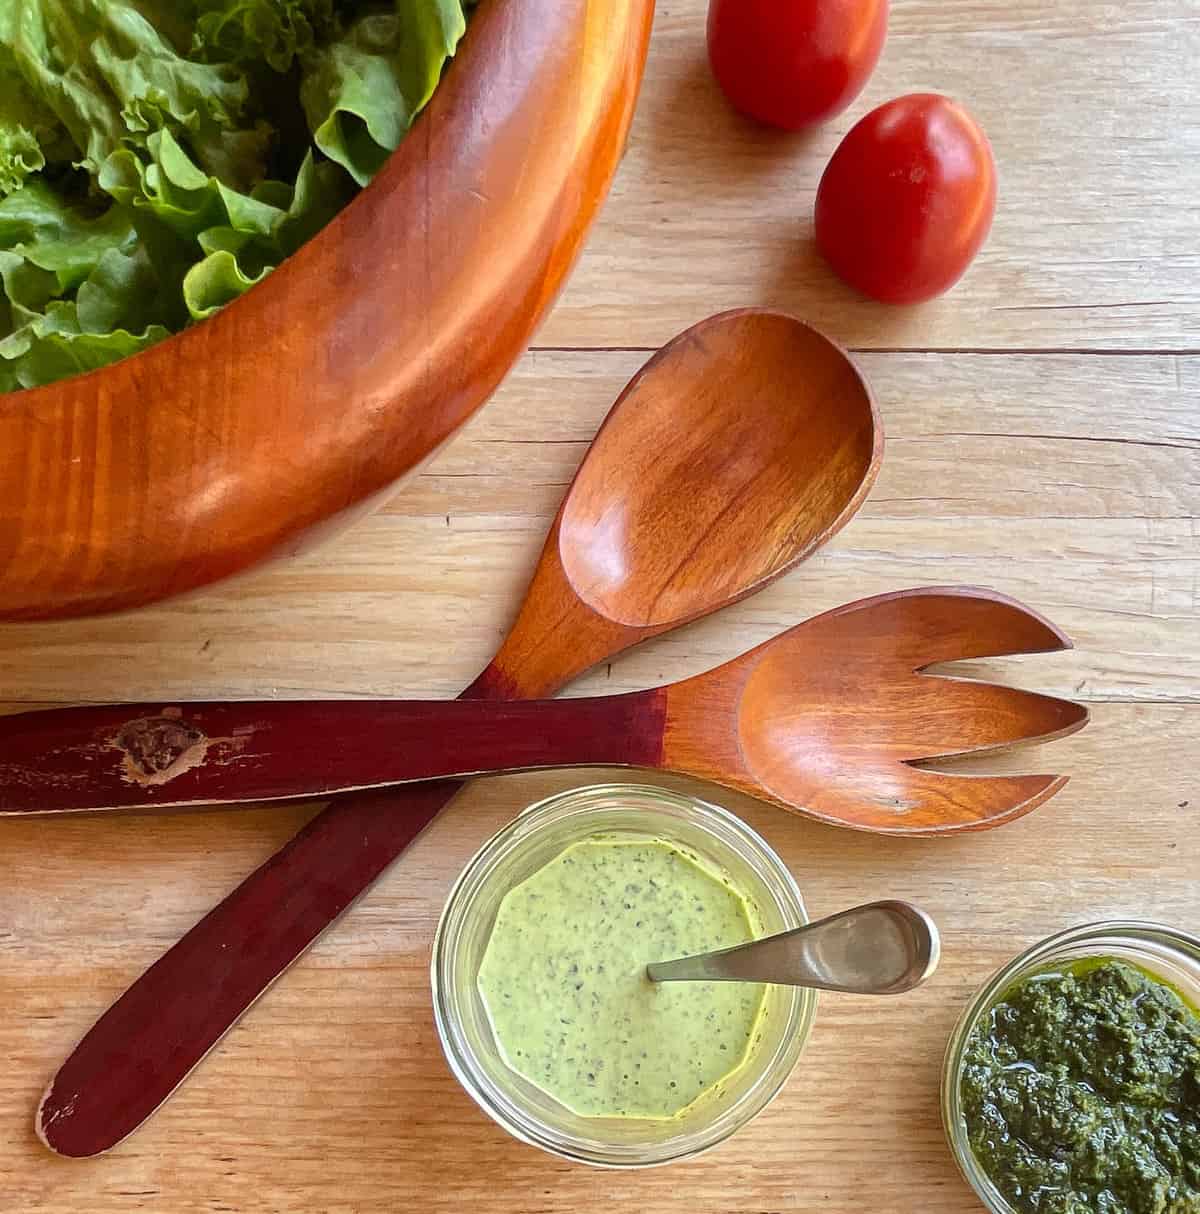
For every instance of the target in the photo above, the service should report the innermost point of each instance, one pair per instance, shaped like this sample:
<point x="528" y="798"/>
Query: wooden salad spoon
<point x="735" y="453"/>
<point x="826" y="719"/>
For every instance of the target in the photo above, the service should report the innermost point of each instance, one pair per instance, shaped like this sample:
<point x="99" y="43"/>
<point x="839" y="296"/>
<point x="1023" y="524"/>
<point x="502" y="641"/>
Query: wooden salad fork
<point x="734" y="454"/>
<point x="827" y="720"/>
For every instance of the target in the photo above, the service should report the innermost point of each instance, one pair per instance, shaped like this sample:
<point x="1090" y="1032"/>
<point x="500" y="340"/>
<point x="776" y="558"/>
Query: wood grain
<point x="298" y="405"/>
<point x="1084" y="507"/>
<point x="1070" y="480"/>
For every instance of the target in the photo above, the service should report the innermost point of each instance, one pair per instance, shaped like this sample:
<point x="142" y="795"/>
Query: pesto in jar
<point x="1081" y="1093"/>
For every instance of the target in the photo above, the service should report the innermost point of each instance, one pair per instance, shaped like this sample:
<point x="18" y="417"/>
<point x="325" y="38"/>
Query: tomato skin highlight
<point x="793" y="63"/>
<point x="908" y="199"/>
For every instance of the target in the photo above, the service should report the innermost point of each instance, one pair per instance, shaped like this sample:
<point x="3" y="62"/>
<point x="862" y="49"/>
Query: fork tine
<point x="961" y="716"/>
<point x="943" y="623"/>
<point x="902" y="800"/>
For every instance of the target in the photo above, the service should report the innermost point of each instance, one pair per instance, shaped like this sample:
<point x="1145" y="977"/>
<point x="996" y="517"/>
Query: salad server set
<point x="737" y="451"/>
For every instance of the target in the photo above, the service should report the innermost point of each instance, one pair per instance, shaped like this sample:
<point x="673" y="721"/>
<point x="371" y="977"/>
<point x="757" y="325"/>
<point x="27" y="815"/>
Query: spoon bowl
<point x="752" y="427"/>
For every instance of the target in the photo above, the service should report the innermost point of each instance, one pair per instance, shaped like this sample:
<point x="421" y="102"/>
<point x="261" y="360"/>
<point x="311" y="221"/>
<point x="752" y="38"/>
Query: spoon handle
<point x="884" y="948"/>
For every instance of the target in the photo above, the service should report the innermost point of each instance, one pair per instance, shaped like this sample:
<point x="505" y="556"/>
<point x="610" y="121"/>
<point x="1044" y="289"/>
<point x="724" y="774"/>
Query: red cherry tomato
<point x="907" y="200"/>
<point x="791" y="63"/>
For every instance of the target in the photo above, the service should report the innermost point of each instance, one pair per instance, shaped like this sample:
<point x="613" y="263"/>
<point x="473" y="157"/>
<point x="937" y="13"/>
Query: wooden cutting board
<point x="1044" y="438"/>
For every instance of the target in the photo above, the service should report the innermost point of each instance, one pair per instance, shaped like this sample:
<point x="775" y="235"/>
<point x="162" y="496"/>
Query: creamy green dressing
<point x="564" y="979"/>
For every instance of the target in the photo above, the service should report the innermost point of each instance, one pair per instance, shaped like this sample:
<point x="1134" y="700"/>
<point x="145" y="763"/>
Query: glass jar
<point x="725" y="844"/>
<point x="1172" y="955"/>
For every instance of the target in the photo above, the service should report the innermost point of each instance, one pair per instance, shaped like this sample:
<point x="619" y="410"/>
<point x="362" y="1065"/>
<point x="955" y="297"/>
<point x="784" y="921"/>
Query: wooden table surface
<point x="1043" y="438"/>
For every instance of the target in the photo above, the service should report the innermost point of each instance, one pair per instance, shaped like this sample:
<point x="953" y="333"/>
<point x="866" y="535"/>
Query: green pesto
<point x="564" y="979"/>
<point x="1081" y="1093"/>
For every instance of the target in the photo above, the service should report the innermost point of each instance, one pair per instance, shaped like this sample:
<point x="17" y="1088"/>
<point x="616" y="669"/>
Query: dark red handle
<point x="161" y="1028"/>
<point x="145" y="756"/>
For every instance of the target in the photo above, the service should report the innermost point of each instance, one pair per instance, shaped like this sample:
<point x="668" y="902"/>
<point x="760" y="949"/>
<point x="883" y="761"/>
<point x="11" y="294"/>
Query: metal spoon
<point x="884" y="948"/>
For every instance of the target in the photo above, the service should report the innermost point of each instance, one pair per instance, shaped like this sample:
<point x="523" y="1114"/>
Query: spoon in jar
<point x="884" y="948"/>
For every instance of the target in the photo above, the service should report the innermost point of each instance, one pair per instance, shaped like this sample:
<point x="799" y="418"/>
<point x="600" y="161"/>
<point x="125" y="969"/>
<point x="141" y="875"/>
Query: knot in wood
<point x="153" y="746"/>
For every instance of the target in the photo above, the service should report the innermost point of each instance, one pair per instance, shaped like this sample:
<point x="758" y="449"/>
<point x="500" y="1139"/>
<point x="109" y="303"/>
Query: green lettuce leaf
<point x="217" y="280"/>
<point x="29" y="132"/>
<point x="52" y="338"/>
<point x="160" y="157"/>
<point x="237" y="258"/>
<point x="240" y="236"/>
<point x="20" y="153"/>
<point x="51" y="250"/>
<point x="47" y="231"/>
<point x="362" y="91"/>
<point x="51" y="355"/>
<point x="110" y="78"/>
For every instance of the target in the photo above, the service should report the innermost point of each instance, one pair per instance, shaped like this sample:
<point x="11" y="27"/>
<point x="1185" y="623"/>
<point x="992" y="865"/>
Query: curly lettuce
<point x="274" y="31"/>
<point x="160" y="157"/>
<point x="362" y="91"/>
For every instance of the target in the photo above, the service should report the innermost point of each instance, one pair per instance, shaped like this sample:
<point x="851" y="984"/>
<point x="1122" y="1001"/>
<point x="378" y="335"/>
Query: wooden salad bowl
<point x="296" y="407"/>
